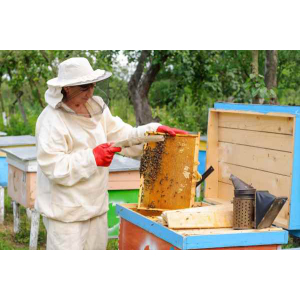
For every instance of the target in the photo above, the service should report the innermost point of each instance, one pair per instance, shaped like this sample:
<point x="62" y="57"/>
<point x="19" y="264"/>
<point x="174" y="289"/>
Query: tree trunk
<point x="1" y="99"/>
<point x="271" y="70"/>
<point x="35" y="89"/>
<point x="134" y="95"/>
<point x="254" y="68"/>
<point x="143" y="113"/>
<point x="39" y="97"/>
<point x="54" y="69"/>
<point x="255" y="62"/>
<point x="4" y="118"/>
<point x="140" y="85"/>
<point x="2" y="103"/>
<point x="21" y="107"/>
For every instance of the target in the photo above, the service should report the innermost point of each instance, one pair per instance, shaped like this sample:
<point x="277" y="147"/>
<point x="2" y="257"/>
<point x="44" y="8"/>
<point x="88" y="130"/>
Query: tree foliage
<point x="175" y="87"/>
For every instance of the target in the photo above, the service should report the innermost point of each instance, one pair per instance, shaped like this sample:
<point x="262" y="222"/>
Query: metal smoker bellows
<point x="254" y="209"/>
<point x="243" y="204"/>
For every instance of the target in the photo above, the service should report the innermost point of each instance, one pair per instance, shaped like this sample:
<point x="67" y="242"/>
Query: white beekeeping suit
<point x="71" y="189"/>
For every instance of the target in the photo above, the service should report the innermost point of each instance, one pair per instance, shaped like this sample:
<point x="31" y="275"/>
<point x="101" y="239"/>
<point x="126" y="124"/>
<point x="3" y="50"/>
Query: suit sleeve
<point x="58" y="162"/>
<point x="118" y="130"/>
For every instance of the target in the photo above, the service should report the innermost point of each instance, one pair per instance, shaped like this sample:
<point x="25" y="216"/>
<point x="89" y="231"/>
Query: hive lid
<point x="23" y="158"/>
<point x="119" y="163"/>
<point x="122" y="163"/>
<point x="21" y="140"/>
<point x="22" y="153"/>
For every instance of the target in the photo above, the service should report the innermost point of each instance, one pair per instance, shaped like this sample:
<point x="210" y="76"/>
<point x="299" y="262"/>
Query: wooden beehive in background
<point x="257" y="147"/>
<point x="22" y="168"/>
<point x="169" y="173"/>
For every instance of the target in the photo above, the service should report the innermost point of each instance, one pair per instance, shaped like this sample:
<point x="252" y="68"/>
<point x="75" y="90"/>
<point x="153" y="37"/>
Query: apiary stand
<point x="22" y="168"/>
<point x="5" y="143"/>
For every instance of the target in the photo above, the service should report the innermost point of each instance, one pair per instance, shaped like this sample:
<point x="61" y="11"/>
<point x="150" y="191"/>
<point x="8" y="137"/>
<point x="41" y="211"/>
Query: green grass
<point x="5" y="242"/>
<point x="113" y="244"/>
<point x="294" y="242"/>
<point x="20" y="241"/>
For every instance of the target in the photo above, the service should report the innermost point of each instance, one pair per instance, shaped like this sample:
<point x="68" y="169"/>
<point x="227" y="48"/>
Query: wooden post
<point x="1" y="205"/>
<point x="198" y="190"/>
<point x="16" y="211"/>
<point x="28" y="213"/>
<point x="34" y="232"/>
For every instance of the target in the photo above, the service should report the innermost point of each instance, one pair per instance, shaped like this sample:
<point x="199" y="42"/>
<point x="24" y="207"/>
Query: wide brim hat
<point x="77" y="71"/>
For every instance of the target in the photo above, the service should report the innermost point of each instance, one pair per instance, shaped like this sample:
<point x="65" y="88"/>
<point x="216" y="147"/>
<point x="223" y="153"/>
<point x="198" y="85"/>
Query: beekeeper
<point x="75" y="135"/>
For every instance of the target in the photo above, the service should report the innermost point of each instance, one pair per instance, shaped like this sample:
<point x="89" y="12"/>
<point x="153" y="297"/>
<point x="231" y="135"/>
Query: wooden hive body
<point x="21" y="186"/>
<point x="22" y="167"/>
<point x="174" y="184"/>
<point x="258" y="144"/>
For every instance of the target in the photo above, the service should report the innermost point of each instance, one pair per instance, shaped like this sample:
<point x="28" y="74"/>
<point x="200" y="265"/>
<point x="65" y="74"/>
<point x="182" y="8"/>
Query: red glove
<point x="104" y="154"/>
<point x="170" y="131"/>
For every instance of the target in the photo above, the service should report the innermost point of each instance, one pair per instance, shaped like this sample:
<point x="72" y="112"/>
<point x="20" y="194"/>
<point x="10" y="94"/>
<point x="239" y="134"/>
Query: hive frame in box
<point x="182" y="150"/>
<point x="139" y="231"/>
<point x="274" y="132"/>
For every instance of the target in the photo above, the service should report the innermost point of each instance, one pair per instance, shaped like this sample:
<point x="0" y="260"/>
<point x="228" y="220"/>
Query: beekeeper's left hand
<point x="170" y="131"/>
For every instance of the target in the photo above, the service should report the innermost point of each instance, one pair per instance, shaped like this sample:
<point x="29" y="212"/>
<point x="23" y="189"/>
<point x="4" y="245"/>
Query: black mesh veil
<point x="94" y="105"/>
<point x="102" y="90"/>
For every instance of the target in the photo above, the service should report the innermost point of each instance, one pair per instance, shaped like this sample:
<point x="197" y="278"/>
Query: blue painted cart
<point x="259" y="144"/>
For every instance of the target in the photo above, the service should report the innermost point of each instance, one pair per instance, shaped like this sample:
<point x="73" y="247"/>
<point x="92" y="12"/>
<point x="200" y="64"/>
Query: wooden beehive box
<point x="169" y="173"/>
<point x="124" y="174"/>
<point x="8" y="142"/>
<point x="259" y="144"/>
<point x="22" y="168"/>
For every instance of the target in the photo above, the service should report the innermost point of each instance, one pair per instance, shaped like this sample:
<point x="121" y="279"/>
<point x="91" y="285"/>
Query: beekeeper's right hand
<point x="104" y="154"/>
